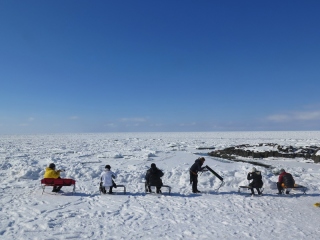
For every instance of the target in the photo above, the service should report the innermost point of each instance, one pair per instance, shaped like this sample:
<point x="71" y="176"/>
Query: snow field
<point x="224" y="214"/>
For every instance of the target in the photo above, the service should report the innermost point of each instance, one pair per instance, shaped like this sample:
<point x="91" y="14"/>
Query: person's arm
<point x="56" y="174"/>
<point x="199" y="168"/>
<point x="147" y="176"/>
<point x="204" y="169"/>
<point x="280" y="180"/>
<point x="101" y="177"/>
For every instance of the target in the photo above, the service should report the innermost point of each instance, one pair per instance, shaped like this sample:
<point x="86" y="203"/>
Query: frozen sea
<point x="26" y="213"/>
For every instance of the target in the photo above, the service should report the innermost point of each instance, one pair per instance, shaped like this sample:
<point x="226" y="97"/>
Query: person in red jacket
<point x="285" y="180"/>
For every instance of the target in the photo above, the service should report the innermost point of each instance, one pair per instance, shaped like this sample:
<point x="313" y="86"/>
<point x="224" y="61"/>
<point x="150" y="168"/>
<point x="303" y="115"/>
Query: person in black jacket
<point x="153" y="178"/>
<point x="195" y="168"/>
<point x="256" y="178"/>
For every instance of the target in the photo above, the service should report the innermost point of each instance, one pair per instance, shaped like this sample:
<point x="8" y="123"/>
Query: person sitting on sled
<point x="153" y="178"/>
<point x="285" y="180"/>
<point x="107" y="180"/>
<point x="256" y="178"/>
<point x="195" y="168"/>
<point x="51" y="172"/>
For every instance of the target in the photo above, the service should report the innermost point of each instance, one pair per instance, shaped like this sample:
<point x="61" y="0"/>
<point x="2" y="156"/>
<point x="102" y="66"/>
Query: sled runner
<point x="163" y="186"/>
<point x="296" y="187"/>
<point x="58" y="182"/>
<point x="116" y="186"/>
<point x="249" y="188"/>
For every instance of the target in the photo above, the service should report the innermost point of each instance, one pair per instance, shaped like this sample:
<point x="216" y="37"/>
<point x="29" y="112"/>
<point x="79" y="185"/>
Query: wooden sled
<point x="58" y="182"/>
<point x="301" y="188"/>
<point x="249" y="188"/>
<point x="118" y="186"/>
<point x="163" y="186"/>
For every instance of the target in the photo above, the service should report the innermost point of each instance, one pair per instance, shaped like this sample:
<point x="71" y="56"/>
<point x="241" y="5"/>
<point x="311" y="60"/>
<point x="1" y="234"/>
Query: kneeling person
<point x="107" y="180"/>
<point x="285" y="181"/>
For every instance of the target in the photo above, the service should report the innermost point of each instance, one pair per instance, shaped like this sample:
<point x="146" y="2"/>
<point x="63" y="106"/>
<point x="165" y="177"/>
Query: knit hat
<point x="153" y="165"/>
<point x="282" y="170"/>
<point x="108" y="166"/>
<point x="254" y="169"/>
<point x="52" y="166"/>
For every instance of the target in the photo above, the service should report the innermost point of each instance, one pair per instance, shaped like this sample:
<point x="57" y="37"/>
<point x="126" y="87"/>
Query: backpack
<point x="288" y="180"/>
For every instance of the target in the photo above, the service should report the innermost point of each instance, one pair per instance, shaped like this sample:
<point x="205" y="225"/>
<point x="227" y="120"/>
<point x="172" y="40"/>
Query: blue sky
<point x="123" y="66"/>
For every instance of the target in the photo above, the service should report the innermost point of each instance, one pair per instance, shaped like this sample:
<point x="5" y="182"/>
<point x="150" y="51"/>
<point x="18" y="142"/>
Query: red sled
<point x="58" y="182"/>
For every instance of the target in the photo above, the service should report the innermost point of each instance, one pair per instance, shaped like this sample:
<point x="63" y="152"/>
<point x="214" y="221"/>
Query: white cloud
<point x="315" y="115"/>
<point x="133" y="120"/>
<point x="295" y="116"/>
<point x="278" y="118"/>
<point x="188" y="124"/>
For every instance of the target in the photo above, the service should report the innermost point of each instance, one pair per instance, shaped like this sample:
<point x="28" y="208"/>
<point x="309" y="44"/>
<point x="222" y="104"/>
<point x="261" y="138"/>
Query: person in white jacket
<point x="107" y="180"/>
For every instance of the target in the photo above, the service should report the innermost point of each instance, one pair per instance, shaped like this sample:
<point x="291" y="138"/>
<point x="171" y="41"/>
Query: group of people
<point x="285" y="179"/>
<point x="153" y="178"/>
<point x="154" y="174"/>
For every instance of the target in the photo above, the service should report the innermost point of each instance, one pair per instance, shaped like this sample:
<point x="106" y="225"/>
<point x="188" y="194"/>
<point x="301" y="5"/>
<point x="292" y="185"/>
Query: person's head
<point x="202" y="159"/>
<point x="52" y="166"/>
<point x="153" y="165"/>
<point x="253" y="169"/>
<point x="107" y="167"/>
<point x="282" y="170"/>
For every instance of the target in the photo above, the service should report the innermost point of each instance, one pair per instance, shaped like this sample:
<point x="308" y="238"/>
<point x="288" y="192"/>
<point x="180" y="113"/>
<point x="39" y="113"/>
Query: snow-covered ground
<point x="225" y="214"/>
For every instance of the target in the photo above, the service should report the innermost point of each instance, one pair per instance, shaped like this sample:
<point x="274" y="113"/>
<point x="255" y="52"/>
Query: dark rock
<point x="283" y="152"/>
<point x="316" y="159"/>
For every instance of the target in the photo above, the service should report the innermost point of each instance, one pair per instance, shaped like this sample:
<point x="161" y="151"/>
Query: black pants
<point x="148" y="188"/>
<point x="194" y="181"/>
<point x="103" y="189"/>
<point x="56" y="188"/>
<point x="254" y="186"/>
<point x="114" y="185"/>
<point x="280" y="188"/>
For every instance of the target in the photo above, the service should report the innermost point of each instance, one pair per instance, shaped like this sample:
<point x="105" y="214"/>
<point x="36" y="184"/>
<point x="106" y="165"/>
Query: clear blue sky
<point x="119" y="66"/>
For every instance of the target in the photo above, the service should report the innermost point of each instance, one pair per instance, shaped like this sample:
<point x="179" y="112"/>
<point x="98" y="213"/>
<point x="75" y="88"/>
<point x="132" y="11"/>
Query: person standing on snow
<point x="107" y="180"/>
<point x="285" y="180"/>
<point x="195" y="168"/>
<point x="153" y="178"/>
<point x="51" y="172"/>
<point x="256" y="178"/>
